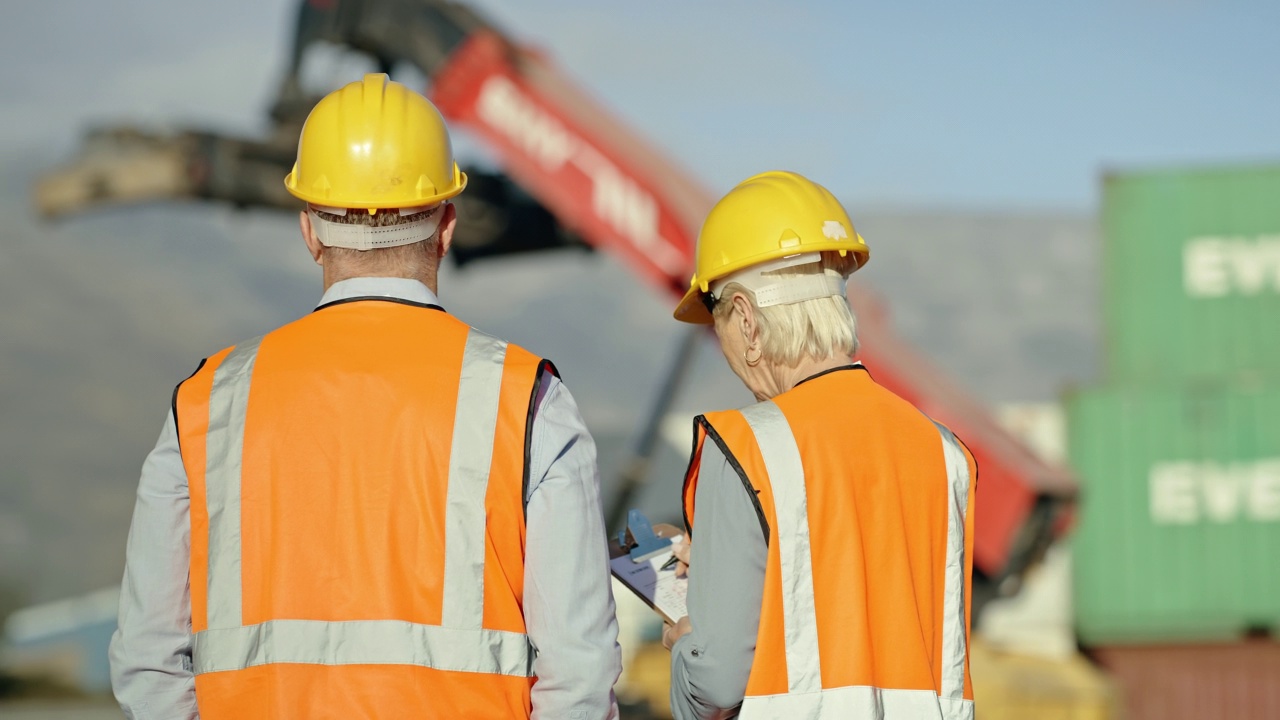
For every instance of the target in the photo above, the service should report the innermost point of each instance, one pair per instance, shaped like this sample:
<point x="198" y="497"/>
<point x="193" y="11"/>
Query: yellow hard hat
<point x="765" y="218"/>
<point x="375" y="144"/>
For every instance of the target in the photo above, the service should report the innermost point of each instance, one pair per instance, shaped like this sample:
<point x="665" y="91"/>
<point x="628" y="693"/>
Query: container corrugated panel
<point x="1178" y="535"/>
<point x="1192" y="274"/>
<point x="1197" y="682"/>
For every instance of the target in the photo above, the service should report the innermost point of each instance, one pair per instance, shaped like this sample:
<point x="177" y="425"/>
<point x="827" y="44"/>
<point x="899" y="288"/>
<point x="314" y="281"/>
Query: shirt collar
<point x="398" y="288"/>
<point x="851" y="366"/>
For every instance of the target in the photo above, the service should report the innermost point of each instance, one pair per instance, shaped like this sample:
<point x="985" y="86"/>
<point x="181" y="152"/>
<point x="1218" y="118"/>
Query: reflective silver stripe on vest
<point x="459" y="644"/>
<point x="224" y="450"/>
<point x="786" y="476"/>
<point x="953" y="603"/>
<point x="857" y="703"/>
<point x="475" y="422"/>
<point x="805" y="697"/>
<point x="362" y="642"/>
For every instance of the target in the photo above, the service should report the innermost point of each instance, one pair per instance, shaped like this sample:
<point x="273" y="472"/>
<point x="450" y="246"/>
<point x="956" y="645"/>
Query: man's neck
<point x="429" y="279"/>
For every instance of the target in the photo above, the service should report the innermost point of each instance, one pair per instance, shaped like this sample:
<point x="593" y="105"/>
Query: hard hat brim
<point x="368" y="204"/>
<point x="691" y="310"/>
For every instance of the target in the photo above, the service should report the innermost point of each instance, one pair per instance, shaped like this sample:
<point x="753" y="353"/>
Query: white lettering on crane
<point x="616" y="199"/>
<point x="1186" y="493"/>
<point x="537" y="133"/>
<point x="1214" y="267"/>
<point x="624" y="205"/>
<point x="627" y="207"/>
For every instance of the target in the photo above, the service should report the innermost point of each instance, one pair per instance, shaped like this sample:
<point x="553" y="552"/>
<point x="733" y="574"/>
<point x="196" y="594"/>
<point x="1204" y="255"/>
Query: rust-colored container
<point x="1237" y="681"/>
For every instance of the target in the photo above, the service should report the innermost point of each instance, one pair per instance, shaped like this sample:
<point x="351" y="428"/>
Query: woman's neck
<point x="782" y="378"/>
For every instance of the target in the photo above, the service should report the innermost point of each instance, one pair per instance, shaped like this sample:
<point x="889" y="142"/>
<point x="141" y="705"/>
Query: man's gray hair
<point x="817" y="329"/>
<point x="410" y="260"/>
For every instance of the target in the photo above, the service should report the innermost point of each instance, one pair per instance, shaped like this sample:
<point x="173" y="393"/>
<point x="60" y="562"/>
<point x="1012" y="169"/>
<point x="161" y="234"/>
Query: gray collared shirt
<point x="568" y="598"/>
<point x="710" y="666"/>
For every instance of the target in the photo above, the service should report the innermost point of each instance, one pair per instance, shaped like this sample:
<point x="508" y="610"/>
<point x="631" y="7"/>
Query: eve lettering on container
<point x="1214" y="267"/>
<point x="1186" y="493"/>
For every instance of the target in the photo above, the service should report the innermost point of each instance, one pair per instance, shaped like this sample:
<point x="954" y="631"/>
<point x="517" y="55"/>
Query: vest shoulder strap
<point x="704" y="427"/>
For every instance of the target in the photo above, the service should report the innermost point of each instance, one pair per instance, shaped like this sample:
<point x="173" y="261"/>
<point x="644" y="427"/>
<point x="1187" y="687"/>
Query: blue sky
<point x="961" y="104"/>
<point x="985" y="105"/>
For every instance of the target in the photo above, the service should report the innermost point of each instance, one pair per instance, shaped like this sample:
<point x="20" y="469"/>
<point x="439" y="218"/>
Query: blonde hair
<point x="412" y="260"/>
<point x="817" y="329"/>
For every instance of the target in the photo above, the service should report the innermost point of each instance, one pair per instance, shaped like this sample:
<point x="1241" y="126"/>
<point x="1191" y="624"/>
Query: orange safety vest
<point x="867" y="508"/>
<point x="357" y="518"/>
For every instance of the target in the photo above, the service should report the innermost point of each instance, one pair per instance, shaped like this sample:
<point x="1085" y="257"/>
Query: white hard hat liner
<point x="364" y="237"/>
<point x="772" y="288"/>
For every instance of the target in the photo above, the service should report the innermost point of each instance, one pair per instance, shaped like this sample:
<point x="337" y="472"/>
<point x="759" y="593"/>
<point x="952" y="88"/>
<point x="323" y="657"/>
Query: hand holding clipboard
<point x="643" y="559"/>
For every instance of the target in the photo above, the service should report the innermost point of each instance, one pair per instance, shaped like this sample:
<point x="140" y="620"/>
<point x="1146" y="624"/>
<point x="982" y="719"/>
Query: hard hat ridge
<point x="373" y="91"/>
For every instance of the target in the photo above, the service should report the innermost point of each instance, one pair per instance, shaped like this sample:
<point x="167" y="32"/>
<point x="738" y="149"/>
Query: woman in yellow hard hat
<point x="834" y="521"/>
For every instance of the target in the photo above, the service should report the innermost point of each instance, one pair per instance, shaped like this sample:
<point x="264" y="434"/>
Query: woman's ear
<point x="746" y="313"/>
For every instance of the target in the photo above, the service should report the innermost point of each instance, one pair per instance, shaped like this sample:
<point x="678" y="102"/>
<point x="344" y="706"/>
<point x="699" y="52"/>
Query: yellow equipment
<point x="768" y="217"/>
<point x="375" y="144"/>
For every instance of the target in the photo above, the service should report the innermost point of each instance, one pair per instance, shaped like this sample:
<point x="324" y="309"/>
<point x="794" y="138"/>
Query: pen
<point x="670" y="563"/>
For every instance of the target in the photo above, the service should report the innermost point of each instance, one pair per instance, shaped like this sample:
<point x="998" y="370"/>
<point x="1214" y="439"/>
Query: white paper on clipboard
<point x="659" y="588"/>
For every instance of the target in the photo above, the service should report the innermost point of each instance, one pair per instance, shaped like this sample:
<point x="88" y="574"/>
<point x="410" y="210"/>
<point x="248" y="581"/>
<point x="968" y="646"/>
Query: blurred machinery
<point x="128" y="165"/>
<point x="63" y="642"/>
<point x="573" y="176"/>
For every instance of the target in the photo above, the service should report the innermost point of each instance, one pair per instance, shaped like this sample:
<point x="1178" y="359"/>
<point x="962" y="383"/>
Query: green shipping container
<point x="1192" y="274"/>
<point x="1178" y="535"/>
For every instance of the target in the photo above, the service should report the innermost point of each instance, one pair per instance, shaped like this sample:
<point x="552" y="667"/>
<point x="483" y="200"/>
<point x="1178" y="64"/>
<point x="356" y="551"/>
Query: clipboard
<point x="637" y="557"/>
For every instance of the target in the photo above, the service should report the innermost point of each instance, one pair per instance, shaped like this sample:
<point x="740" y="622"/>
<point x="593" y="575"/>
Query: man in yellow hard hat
<point x="831" y="553"/>
<point x="375" y="511"/>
